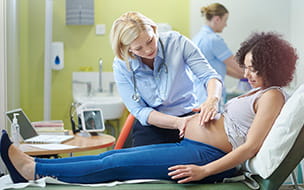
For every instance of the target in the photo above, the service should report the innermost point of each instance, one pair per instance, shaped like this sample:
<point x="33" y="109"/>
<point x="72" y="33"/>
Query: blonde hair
<point x="214" y="9"/>
<point x="125" y="30"/>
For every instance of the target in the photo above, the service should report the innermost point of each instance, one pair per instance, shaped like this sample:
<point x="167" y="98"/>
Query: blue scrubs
<point x="214" y="49"/>
<point x="144" y="162"/>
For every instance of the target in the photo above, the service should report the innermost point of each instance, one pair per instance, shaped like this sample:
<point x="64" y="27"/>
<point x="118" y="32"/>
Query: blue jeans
<point x="144" y="162"/>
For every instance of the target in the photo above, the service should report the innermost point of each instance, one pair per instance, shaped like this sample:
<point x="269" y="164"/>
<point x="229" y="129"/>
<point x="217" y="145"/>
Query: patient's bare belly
<point x="212" y="133"/>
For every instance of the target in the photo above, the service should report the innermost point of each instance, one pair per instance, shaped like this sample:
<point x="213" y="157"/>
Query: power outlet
<point x="100" y="29"/>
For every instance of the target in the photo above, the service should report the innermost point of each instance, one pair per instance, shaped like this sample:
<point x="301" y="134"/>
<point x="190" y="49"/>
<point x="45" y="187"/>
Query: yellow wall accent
<point x="82" y="48"/>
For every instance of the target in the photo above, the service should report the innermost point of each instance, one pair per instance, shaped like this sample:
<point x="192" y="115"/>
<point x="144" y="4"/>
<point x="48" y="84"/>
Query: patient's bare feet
<point x="23" y="163"/>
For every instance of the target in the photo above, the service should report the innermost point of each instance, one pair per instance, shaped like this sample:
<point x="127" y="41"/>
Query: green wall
<point x="82" y="48"/>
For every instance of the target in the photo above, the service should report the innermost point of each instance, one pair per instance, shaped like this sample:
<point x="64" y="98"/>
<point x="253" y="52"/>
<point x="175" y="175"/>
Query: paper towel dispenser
<point x="79" y="12"/>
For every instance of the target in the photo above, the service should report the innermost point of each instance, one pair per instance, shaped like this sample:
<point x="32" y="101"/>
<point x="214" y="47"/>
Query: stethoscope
<point x="136" y="96"/>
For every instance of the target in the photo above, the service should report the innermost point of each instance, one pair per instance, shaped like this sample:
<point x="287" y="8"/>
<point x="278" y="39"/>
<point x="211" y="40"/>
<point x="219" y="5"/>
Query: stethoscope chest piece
<point x="136" y="97"/>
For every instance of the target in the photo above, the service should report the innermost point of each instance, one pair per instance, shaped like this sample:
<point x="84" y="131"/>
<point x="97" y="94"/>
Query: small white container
<point x="243" y="85"/>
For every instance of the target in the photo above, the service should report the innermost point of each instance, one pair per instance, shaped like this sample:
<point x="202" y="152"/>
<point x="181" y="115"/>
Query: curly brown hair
<point x="273" y="58"/>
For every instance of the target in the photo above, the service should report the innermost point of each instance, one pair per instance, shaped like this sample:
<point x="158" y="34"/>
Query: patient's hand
<point x="187" y="173"/>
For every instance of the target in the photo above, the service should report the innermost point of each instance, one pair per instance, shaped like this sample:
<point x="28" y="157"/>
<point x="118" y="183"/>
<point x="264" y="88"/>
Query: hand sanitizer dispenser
<point x="15" y="130"/>
<point x="57" y="56"/>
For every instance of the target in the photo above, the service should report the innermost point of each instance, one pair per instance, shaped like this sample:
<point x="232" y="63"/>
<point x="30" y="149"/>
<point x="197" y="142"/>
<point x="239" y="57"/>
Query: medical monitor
<point x="92" y="120"/>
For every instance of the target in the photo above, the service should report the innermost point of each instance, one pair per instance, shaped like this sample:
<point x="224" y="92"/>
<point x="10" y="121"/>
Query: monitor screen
<point x="92" y="120"/>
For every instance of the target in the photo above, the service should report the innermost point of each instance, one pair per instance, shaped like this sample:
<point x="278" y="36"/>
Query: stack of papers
<point x="53" y="127"/>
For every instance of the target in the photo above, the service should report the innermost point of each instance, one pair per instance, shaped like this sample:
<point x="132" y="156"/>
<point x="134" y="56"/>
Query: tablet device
<point x="92" y="120"/>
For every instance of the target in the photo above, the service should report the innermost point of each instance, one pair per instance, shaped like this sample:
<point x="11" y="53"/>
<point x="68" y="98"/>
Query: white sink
<point x="112" y="106"/>
<point x="110" y="103"/>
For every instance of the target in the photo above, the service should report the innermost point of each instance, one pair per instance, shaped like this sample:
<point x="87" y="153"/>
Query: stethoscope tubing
<point x="136" y="95"/>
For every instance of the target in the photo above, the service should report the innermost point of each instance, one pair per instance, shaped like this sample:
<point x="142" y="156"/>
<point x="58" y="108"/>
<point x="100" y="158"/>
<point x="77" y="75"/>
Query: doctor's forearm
<point x="214" y="89"/>
<point x="163" y="120"/>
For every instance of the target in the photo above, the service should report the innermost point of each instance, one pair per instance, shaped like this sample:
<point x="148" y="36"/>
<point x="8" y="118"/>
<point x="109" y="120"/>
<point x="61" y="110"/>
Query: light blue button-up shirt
<point x="169" y="87"/>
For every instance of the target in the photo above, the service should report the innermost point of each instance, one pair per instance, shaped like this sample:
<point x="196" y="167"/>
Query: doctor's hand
<point x="182" y="124"/>
<point x="208" y="110"/>
<point x="187" y="173"/>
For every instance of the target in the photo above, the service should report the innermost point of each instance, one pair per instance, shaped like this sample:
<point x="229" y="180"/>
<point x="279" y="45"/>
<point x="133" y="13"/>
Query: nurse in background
<point x="214" y="47"/>
<point x="154" y="74"/>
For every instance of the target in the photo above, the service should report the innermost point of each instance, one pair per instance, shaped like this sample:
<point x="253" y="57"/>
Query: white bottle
<point x="15" y="130"/>
<point x="243" y="85"/>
